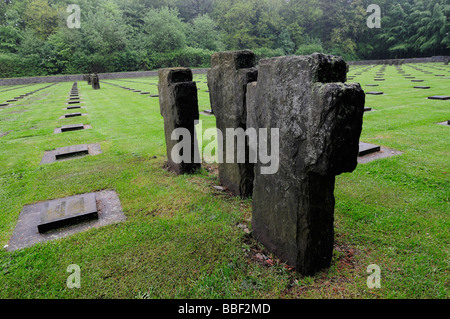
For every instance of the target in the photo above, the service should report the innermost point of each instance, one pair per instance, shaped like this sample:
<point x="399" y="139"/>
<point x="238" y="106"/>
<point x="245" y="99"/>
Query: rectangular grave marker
<point x="72" y="115"/>
<point x="74" y="127"/>
<point x="68" y="211"/>
<point x="375" y="93"/>
<point x="71" y="151"/>
<point x="366" y="148"/>
<point x="439" y="97"/>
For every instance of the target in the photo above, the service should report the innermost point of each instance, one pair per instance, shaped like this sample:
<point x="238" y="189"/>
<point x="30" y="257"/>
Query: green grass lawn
<point x="184" y="239"/>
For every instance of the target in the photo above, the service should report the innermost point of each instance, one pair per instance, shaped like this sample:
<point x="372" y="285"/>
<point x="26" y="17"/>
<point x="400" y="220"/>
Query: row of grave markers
<point x="65" y="216"/>
<point x="320" y="121"/>
<point x="380" y="77"/>
<point x="17" y="98"/>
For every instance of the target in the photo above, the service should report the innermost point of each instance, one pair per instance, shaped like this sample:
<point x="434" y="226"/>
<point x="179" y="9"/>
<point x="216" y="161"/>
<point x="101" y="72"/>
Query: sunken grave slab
<point x="421" y="87"/>
<point x="4" y="104"/>
<point x="383" y="153"/>
<point x="72" y="115"/>
<point x="12" y="100"/>
<point x="439" y="97"/>
<point x="73" y="107"/>
<point x="366" y="148"/>
<point x="416" y="80"/>
<point x="26" y="234"/>
<point x="374" y="93"/>
<point x="70" y="153"/>
<point x="74" y="127"/>
<point x="71" y="128"/>
<point x="74" y="102"/>
<point x="67" y="211"/>
<point x="367" y="109"/>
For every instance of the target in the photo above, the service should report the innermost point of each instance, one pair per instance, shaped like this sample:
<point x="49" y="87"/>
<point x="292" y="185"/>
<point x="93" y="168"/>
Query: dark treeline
<point x="131" y="35"/>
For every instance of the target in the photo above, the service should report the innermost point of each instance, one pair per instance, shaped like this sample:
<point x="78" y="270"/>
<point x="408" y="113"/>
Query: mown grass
<point x="184" y="239"/>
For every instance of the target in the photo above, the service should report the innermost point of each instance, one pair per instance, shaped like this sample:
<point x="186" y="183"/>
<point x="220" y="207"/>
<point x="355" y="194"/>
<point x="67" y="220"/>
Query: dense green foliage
<point x="117" y="35"/>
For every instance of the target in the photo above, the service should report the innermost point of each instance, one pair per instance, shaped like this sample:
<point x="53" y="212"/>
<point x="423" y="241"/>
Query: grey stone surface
<point x="72" y="115"/>
<point x="366" y="148"/>
<point x="26" y="233"/>
<point x="227" y="81"/>
<point x="68" y="211"/>
<point x="179" y="108"/>
<point x="95" y="82"/>
<point x="384" y="152"/>
<point x="374" y="93"/>
<point x="319" y="120"/>
<point x="73" y="127"/>
<point x="70" y="153"/>
<point x="70" y="128"/>
<point x="439" y="97"/>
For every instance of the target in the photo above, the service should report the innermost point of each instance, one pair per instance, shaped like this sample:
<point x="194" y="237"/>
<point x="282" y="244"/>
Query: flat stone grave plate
<point x="67" y="211"/>
<point x="143" y="93"/>
<point x="74" y="102"/>
<point x="70" y="153"/>
<point x="12" y="100"/>
<point x="374" y="93"/>
<point x="26" y="234"/>
<point x="439" y="97"/>
<point x="378" y="79"/>
<point x="366" y="148"/>
<point x="154" y="95"/>
<point x="421" y="87"/>
<point x="372" y="85"/>
<point x="207" y="112"/>
<point x="367" y="109"/>
<point x="4" y="104"/>
<point x="72" y="107"/>
<point x="416" y="80"/>
<point x="384" y="152"/>
<point x="71" y="128"/>
<point x="72" y="114"/>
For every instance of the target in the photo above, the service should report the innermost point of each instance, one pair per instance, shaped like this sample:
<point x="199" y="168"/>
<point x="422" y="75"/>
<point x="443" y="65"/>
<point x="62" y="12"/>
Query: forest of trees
<point x="131" y="35"/>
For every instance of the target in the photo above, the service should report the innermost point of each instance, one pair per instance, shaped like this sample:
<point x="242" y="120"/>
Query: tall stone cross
<point x="320" y="121"/>
<point x="179" y="107"/>
<point x="227" y="82"/>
